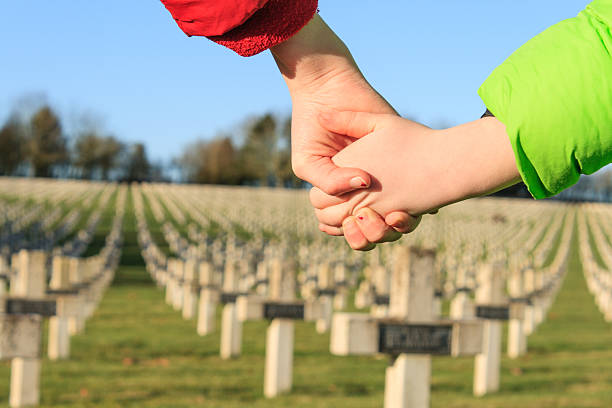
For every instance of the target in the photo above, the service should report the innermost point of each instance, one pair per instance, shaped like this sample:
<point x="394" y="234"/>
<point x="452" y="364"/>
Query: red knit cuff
<point x="211" y="17"/>
<point x="272" y="24"/>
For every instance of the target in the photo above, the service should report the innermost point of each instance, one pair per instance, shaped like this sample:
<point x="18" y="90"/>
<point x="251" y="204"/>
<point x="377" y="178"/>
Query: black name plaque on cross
<point x="326" y="292"/>
<point x="28" y="306"/>
<point x="273" y="310"/>
<point x="493" y="312"/>
<point x="228" y="297"/>
<point x="381" y="299"/>
<point x="62" y="292"/>
<point x="397" y="338"/>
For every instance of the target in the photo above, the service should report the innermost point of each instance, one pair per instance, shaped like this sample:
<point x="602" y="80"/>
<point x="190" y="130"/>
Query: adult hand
<point x="322" y="75"/>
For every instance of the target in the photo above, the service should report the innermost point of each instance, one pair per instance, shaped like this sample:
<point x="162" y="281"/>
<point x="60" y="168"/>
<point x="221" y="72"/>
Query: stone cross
<point x="382" y="284"/>
<point x="410" y="335"/>
<point x="461" y="307"/>
<point x="178" y="273"/>
<point x="491" y="305"/>
<point x="278" y="374"/>
<point x="529" y="285"/>
<point x="517" y="339"/>
<point x="21" y="326"/>
<point x="281" y="309"/>
<point x="538" y="298"/>
<point x="190" y="289"/>
<point x="341" y="285"/>
<point x="76" y="322"/>
<point x="325" y="293"/>
<point x="67" y="306"/>
<point x="168" y="280"/>
<point x="231" y="327"/>
<point x="209" y="297"/>
<point x="364" y="295"/>
<point x="261" y="279"/>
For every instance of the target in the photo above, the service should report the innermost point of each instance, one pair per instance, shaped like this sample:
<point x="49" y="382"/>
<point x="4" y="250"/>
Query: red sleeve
<point x="246" y="26"/>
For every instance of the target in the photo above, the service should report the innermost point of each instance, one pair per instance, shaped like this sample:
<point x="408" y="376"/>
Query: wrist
<point x="481" y="158"/>
<point x="312" y="56"/>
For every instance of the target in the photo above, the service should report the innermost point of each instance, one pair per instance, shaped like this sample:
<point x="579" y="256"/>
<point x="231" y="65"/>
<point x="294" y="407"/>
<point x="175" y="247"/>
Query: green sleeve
<point x="554" y="94"/>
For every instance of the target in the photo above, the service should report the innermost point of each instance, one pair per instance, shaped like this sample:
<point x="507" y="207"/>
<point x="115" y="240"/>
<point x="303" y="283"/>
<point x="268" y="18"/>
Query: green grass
<point x="137" y="352"/>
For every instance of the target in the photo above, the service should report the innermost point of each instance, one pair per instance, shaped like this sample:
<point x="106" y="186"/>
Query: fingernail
<point x="398" y="224"/>
<point x="357" y="182"/>
<point x="361" y="215"/>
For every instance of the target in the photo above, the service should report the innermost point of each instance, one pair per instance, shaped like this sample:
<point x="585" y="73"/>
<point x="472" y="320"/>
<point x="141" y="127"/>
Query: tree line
<point x="260" y="154"/>
<point x="36" y="144"/>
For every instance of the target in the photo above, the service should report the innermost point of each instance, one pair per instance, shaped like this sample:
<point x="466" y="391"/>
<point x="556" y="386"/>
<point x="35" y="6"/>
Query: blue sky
<point x="127" y="62"/>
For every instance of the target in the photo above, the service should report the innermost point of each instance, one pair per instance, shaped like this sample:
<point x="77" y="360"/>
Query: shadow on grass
<point x="326" y="390"/>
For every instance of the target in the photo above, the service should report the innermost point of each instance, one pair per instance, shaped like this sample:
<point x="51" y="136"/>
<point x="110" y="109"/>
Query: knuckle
<point x="329" y="187"/>
<point x="299" y="168"/>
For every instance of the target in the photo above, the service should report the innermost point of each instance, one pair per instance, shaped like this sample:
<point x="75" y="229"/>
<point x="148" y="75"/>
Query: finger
<point x="334" y="215"/>
<point x="329" y="230"/>
<point x="320" y="200"/>
<point x="374" y="228"/>
<point x="402" y="222"/>
<point x="347" y="123"/>
<point x="331" y="179"/>
<point x="354" y="236"/>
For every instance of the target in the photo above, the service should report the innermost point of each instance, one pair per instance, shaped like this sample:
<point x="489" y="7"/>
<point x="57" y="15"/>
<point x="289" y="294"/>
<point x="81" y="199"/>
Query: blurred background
<point x="114" y="90"/>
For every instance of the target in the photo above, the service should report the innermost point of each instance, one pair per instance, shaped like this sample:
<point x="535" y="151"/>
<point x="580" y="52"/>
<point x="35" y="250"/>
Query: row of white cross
<point x="597" y="272"/>
<point x="68" y="296"/>
<point x="411" y="326"/>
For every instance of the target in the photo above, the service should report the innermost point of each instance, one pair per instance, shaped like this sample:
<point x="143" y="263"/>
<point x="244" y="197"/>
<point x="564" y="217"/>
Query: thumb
<point x="334" y="180"/>
<point x="348" y="123"/>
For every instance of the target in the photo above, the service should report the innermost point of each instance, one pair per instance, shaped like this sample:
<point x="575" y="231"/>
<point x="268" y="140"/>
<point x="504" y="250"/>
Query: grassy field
<point x="138" y="352"/>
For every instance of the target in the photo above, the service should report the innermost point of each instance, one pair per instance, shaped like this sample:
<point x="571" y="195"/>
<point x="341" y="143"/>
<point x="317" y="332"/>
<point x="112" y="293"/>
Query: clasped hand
<point x="414" y="170"/>
<point x="384" y="146"/>
<point x="375" y="173"/>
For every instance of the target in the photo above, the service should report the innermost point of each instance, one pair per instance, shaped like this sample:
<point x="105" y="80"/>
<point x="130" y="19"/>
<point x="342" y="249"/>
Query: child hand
<point x="414" y="169"/>
<point x="383" y="148"/>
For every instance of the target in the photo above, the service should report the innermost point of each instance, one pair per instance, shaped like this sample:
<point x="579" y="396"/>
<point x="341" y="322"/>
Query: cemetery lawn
<point x="136" y="351"/>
